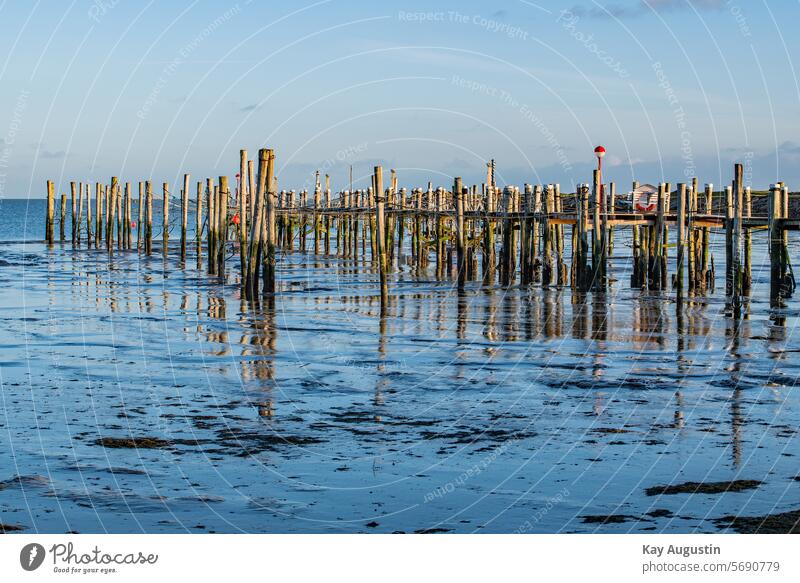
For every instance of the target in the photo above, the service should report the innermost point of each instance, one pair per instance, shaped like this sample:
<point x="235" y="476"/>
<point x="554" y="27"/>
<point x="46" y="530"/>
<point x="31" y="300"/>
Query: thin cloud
<point x="643" y="7"/>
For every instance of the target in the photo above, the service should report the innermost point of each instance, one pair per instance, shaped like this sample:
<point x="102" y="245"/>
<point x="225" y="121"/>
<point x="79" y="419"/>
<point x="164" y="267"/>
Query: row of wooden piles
<point x="516" y="233"/>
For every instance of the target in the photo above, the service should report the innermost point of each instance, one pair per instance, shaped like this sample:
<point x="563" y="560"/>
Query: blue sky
<point x="671" y="88"/>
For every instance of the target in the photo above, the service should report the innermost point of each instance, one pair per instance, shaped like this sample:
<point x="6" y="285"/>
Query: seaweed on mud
<point x="252" y="442"/>
<point x="782" y="523"/>
<point x="476" y="435"/>
<point x="704" y="487"/>
<point x="353" y="416"/>
<point x="143" y="442"/>
<point x="436" y="530"/>
<point x="4" y="528"/>
<point x="607" y="518"/>
<point x="23" y="481"/>
<point x="611" y="430"/>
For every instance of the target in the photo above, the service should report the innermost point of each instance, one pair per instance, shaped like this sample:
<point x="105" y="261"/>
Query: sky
<point x="155" y="89"/>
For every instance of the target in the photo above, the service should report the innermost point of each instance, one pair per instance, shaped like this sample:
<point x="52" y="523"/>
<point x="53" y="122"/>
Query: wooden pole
<point x="63" y="216"/>
<point x="89" y="222"/>
<point x="100" y="194"/>
<point x="729" y="256"/>
<point x="598" y="246"/>
<point x="165" y="219"/>
<point x="272" y="233"/>
<point x="747" y="276"/>
<point x="140" y="223"/>
<point x="198" y="224"/>
<point x="111" y="208"/>
<point x="612" y="203"/>
<point x="775" y="244"/>
<point x="119" y="211"/>
<point x="681" y="235"/>
<point x="380" y="235"/>
<point x="184" y="214"/>
<point x="148" y="232"/>
<point x="243" y="214"/>
<point x="49" y="221"/>
<point x="212" y="226"/>
<point x="222" y="233"/>
<point x="460" y="238"/>
<point x="254" y="243"/>
<point x="79" y="219"/>
<point x="74" y="214"/>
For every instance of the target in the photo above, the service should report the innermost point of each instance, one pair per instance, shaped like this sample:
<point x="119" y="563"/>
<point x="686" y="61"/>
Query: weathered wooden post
<point x="89" y="222"/>
<point x="787" y="278"/>
<point x="636" y="243"/>
<point x="489" y="259"/>
<point x="729" y="257"/>
<point x="243" y="198"/>
<point x="111" y="209"/>
<point x="165" y="219"/>
<point x="610" y="209"/>
<point x="706" y="274"/>
<point x="775" y="244"/>
<point x="747" y="277"/>
<point x="598" y="242"/>
<point x="74" y="214"/>
<point x="184" y="214"/>
<point x="148" y="230"/>
<point x="49" y="221"/>
<point x="79" y="219"/>
<point x="460" y="238"/>
<point x="254" y="240"/>
<point x="120" y="231"/>
<point x="547" y="236"/>
<point x="198" y="223"/>
<point x="691" y="236"/>
<point x="140" y="211"/>
<point x="63" y="216"/>
<point x="315" y="216"/>
<point x="659" y="241"/>
<point x="681" y="236"/>
<point x="100" y="194"/>
<point x="126" y="223"/>
<point x="212" y="226"/>
<point x="380" y="235"/>
<point x="222" y="224"/>
<point x="272" y="233"/>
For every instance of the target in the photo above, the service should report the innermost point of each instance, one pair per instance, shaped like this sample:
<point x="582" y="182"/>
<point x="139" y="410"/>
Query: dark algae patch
<point x="4" y="528"/>
<point x="783" y="523"/>
<point x="704" y="487"/>
<point x="607" y="518"/>
<point x="142" y="442"/>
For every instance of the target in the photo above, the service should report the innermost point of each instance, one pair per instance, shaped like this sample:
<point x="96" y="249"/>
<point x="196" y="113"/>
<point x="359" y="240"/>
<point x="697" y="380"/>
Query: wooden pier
<point x="519" y="234"/>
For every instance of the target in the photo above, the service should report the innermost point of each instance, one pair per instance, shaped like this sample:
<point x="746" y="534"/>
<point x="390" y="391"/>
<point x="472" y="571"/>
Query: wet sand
<point x="140" y="395"/>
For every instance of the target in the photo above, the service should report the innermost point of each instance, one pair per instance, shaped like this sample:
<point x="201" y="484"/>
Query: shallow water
<point x="498" y="410"/>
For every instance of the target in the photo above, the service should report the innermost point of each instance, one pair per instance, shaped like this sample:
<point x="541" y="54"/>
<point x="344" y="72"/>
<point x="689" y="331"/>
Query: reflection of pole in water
<point x="490" y="314"/>
<point x="679" y="420"/>
<point x="580" y="316"/>
<point x="461" y="319"/>
<point x="736" y="331"/>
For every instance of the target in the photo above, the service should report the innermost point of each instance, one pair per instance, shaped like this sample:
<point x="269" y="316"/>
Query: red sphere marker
<point x="236" y="219"/>
<point x="133" y="224"/>
<point x="600" y="151"/>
